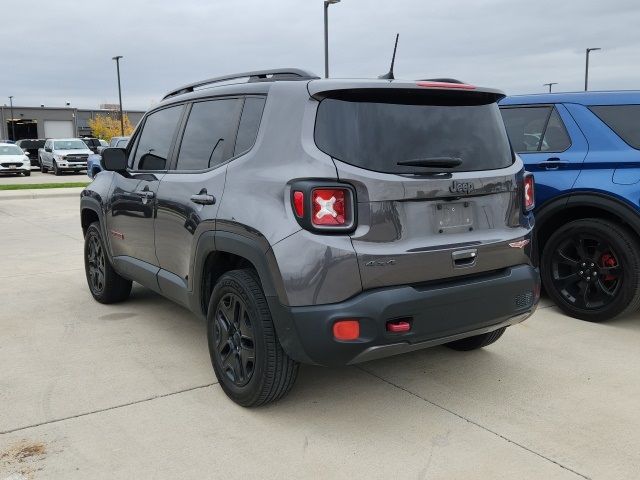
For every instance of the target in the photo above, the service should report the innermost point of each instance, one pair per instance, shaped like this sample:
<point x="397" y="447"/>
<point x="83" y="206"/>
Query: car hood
<point x="85" y="151"/>
<point x="12" y="158"/>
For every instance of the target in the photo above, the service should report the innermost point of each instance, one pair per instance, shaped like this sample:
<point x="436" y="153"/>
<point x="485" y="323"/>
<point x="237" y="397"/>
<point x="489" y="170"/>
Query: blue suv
<point x="584" y="151"/>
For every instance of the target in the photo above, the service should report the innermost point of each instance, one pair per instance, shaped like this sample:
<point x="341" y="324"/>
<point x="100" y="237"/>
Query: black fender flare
<point x="89" y="202"/>
<point x="610" y="203"/>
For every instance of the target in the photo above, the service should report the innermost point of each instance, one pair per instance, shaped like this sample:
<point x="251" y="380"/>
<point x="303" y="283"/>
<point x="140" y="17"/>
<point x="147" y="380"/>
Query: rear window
<point x="376" y="135"/>
<point x="31" y="143"/>
<point x="624" y="120"/>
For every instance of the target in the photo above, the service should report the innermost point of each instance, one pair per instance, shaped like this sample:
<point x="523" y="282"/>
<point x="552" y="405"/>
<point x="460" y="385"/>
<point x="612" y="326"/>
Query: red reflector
<point x="346" y="330"/>
<point x="461" y="86"/>
<point x="298" y="203"/>
<point x="398" y="326"/>
<point x="329" y="206"/>
<point x="529" y="192"/>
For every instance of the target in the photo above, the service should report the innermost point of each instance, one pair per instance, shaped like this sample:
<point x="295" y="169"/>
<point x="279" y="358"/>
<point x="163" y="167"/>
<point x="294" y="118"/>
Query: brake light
<point x="529" y="192"/>
<point x="346" y="330"/>
<point x="298" y="203"/>
<point x="460" y="86"/>
<point x="328" y="207"/>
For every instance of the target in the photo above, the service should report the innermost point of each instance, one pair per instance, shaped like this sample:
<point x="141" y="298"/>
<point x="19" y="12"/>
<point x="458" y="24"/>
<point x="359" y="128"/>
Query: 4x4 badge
<point x="461" y="187"/>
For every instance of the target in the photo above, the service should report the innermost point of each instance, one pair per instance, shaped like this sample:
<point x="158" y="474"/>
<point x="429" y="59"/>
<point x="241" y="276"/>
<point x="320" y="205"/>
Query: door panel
<point x="131" y="215"/>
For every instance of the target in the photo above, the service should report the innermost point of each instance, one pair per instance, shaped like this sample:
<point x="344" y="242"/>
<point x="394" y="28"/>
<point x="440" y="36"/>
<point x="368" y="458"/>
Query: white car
<point x="14" y="160"/>
<point x="65" y="154"/>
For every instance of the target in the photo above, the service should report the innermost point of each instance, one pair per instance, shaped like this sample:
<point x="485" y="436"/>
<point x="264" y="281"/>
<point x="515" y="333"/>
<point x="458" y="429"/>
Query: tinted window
<point x="555" y="137"/>
<point x="208" y="131"/>
<point x="249" y="124"/>
<point x="122" y="143"/>
<point x="377" y="136"/>
<point x="525" y="126"/>
<point x="622" y="119"/>
<point x="155" y="140"/>
<point x="31" y="143"/>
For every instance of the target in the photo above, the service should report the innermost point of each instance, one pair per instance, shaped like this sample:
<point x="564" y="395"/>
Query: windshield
<point x="69" y="145"/>
<point x="10" y="150"/>
<point x="464" y="136"/>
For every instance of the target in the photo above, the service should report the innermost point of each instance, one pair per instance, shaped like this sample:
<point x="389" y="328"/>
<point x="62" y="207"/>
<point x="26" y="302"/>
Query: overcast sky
<point x="57" y="51"/>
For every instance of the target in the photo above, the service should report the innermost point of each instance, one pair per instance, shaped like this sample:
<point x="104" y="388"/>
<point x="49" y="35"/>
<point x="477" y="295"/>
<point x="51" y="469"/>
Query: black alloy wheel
<point x="95" y="265"/>
<point x="233" y="336"/>
<point x="590" y="268"/>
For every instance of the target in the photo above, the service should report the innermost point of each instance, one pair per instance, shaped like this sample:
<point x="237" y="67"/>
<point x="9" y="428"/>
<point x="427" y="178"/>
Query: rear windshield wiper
<point x="434" y="162"/>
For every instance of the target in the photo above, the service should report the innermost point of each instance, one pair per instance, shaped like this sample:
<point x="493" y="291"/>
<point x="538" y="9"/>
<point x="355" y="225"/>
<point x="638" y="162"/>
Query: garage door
<point x="58" y="129"/>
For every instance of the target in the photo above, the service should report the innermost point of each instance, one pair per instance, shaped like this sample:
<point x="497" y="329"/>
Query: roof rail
<point x="257" y="76"/>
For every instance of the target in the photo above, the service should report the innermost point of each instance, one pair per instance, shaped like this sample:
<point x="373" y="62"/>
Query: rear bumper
<point x="438" y="313"/>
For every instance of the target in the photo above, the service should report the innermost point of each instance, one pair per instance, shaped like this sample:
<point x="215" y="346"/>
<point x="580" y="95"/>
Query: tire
<point x="56" y="170"/>
<point x="43" y="169"/>
<point x="477" y="341"/>
<point x="27" y="174"/>
<point x="105" y="284"/>
<point x="247" y="358"/>
<point x="591" y="269"/>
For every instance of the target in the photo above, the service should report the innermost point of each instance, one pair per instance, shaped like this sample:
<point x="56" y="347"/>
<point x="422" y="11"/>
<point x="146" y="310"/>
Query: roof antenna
<point x="389" y="76"/>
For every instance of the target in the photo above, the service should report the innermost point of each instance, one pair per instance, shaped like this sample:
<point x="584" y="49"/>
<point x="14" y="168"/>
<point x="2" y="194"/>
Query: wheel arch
<point x="575" y="206"/>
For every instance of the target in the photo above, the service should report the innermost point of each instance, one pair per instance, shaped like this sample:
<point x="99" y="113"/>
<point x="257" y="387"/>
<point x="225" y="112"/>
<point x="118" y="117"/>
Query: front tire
<point x="591" y="269"/>
<point x="247" y="357"/>
<point x="105" y="284"/>
<point x="27" y="174"/>
<point x="477" y="341"/>
<point x="56" y="171"/>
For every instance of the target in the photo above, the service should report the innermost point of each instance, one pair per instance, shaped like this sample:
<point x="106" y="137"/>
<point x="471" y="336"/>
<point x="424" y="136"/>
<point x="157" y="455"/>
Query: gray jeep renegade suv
<point x="319" y="221"/>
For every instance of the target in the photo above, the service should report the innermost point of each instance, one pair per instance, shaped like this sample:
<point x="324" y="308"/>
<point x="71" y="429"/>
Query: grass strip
<point x="39" y="186"/>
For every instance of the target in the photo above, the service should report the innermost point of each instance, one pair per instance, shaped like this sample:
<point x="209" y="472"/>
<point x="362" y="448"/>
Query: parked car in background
<point x="317" y="220"/>
<point x="14" y="160"/>
<point x="584" y="150"/>
<point x="93" y="143"/>
<point x="60" y="155"/>
<point x="7" y="141"/>
<point x="93" y="163"/>
<point x="30" y="147"/>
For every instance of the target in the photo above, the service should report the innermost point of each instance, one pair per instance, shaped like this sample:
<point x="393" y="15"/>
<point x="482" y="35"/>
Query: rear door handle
<point x="203" y="198"/>
<point x="553" y="163"/>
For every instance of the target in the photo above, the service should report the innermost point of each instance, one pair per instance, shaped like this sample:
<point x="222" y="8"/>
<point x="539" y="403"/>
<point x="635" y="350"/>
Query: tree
<point x="107" y="126"/>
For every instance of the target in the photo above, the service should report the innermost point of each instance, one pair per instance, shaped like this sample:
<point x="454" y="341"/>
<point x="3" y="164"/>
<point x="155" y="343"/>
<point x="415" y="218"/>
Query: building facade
<point x="49" y="122"/>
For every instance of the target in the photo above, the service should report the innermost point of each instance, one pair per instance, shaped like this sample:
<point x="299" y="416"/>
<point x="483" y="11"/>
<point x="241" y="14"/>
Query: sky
<point x="53" y="52"/>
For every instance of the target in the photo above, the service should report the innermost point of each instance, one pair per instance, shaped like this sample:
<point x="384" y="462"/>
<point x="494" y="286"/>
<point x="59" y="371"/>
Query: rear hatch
<point x="439" y="189"/>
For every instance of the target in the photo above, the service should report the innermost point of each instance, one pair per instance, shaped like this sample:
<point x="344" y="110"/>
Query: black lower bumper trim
<point x="438" y="314"/>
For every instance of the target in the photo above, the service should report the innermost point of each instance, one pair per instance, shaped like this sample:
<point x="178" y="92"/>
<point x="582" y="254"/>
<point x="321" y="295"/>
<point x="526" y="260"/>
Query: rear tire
<point x="43" y="169"/>
<point x="105" y="284"/>
<point x="591" y="269"/>
<point x="477" y="341"/>
<point x="246" y="355"/>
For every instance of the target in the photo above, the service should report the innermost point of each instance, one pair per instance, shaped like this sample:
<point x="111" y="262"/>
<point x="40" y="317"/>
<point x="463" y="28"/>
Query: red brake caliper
<point x="607" y="260"/>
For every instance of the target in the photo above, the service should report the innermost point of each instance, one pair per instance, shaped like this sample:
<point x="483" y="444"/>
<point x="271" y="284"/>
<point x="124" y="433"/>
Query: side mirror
<point x="47" y="149"/>
<point x="114" y="159"/>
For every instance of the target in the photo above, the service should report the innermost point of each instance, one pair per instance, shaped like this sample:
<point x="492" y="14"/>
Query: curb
<point x="73" y="192"/>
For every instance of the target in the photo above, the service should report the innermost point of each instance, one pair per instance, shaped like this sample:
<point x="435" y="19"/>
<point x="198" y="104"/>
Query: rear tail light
<point x="528" y="192"/>
<point x="324" y="207"/>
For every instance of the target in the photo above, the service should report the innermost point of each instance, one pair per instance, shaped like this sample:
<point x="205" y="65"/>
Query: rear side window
<point x="624" y="120"/>
<point x="535" y="129"/>
<point x="155" y="139"/>
<point x="376" y="135"/>
<point x="209" y="130"/>
<point x="249" y="124"/>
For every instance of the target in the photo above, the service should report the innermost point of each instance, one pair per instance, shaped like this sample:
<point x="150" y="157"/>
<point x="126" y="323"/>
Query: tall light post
<point x="117" y="59"/>
<point x="326" y="35"/>
<point x="586" y="68"/>
<point x="13" y="125"/>
<point x="549" y="85"/>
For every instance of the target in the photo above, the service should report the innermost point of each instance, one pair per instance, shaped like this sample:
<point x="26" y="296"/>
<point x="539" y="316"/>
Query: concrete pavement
<point x="38" y="177"/>
<point x="127" y="391"/>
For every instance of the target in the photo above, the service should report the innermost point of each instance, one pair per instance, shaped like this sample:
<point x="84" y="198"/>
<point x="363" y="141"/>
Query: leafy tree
<point x="107" y="126"/>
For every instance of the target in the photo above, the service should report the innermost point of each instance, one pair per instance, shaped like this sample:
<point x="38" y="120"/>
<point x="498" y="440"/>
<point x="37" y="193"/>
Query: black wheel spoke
<point x="564" y="282"/>
<point x="564" y="258"/>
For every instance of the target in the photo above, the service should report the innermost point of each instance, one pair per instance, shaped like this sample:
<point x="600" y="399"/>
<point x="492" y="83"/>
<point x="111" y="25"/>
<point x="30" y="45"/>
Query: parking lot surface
<point x="127" y="391"/>
<point x="38" y="177"/>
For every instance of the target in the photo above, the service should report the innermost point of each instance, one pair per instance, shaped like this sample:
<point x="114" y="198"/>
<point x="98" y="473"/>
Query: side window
<point x="525" y="126"/>
<point x="209" y="130"/>
<point x="249" y="124"/>
<point x="555" y="137"/>
<point x="624" y="120"/>
<point x="154" y="142"/>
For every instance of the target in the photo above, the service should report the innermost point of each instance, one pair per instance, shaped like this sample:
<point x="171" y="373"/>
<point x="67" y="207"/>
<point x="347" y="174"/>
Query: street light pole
<point x="117" y="59"/>
<point x="586" y="68"/>
<point x="326" y="35"/>
<point x="549" y="85"/>
<point x="13" y="125"/>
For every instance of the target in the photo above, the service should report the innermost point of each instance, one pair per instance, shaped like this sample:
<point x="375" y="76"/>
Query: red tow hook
<point x="398" y="326"/>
